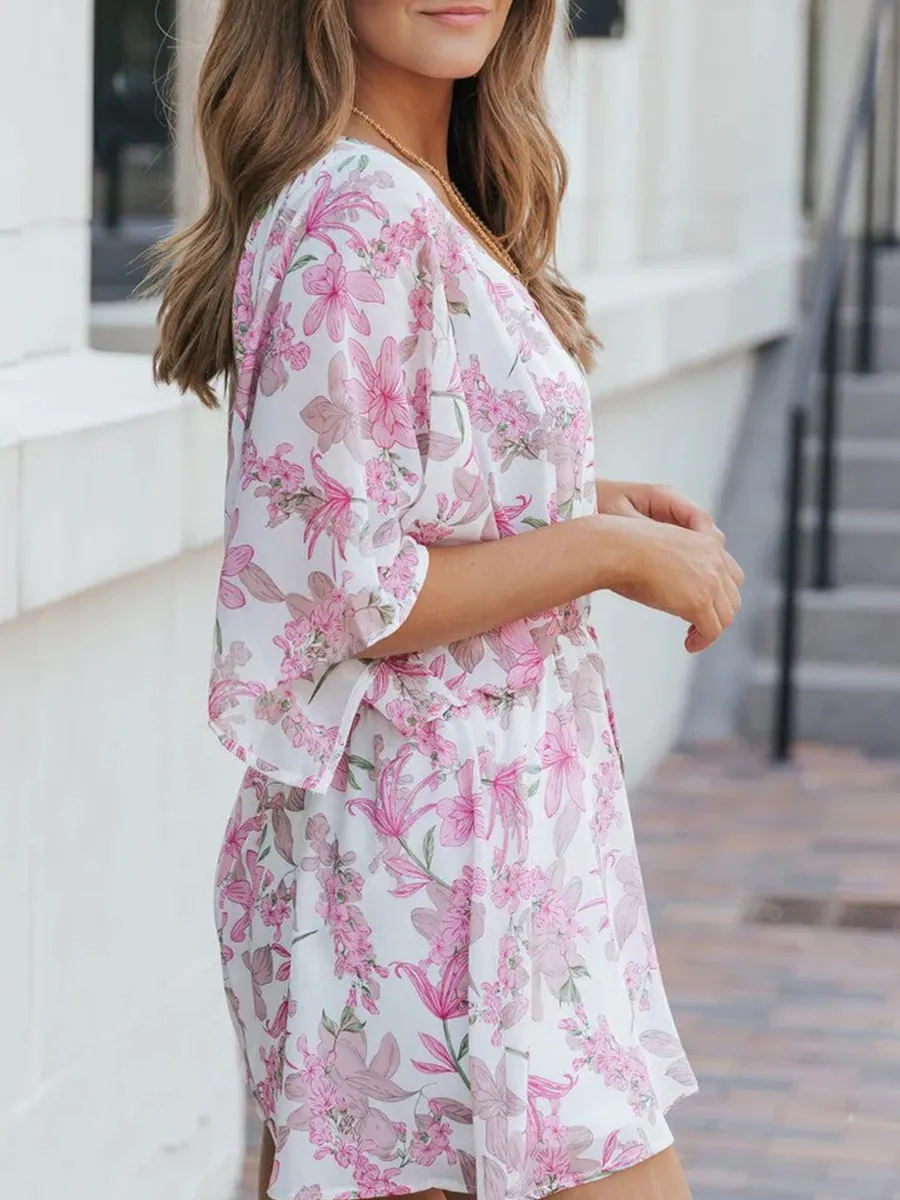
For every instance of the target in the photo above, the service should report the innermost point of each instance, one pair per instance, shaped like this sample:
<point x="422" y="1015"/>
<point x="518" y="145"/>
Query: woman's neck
<point x="412" y="108"/>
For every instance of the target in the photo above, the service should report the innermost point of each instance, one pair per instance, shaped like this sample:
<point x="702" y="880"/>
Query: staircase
<point x="848" y="671"/>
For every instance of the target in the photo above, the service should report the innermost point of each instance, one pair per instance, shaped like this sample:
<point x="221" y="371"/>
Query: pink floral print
<point x="434" y="936"/>
<point x="337" y="289"/>
<point x="381" y="394"/>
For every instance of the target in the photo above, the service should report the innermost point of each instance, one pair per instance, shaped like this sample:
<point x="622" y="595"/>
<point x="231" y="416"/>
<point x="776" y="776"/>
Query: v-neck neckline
<point x="409" y="168"/>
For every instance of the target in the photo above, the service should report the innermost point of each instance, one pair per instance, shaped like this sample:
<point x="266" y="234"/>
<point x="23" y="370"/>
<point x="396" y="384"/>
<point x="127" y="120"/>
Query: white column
<point x="776" y="48"/>
<point x="596" y="88"/>
<point x="843" y="31"/>
<point x="615" y="111"/>
<point x="196" y="19"/>
<point x="12" y="191"/>
<point x="45" y="152"/>
<point x="722" y="144"/>
<point x="666" y="168"/>
<point x="568" y="94"/>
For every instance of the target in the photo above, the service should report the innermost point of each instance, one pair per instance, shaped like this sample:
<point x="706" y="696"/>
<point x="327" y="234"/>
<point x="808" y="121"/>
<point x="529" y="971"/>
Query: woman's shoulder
<point x="348" y="198"/>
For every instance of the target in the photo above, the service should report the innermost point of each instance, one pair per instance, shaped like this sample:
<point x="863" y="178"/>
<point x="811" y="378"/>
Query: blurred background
<point x="733" y="219"/>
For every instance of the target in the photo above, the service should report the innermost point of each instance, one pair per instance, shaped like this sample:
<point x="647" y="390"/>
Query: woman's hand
<point x="684" y="572"/>
<point x="712" y="594"/>
<point x="654" y="501"/>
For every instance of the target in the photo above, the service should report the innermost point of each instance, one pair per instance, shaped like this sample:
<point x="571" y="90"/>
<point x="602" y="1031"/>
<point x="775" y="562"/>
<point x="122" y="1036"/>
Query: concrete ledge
<point x="101" y="474"/>
<point x="124" y="326"/>
<point x="658" y="321"/>
<point x="36" y="319"/>
<point x="9" y="534"/>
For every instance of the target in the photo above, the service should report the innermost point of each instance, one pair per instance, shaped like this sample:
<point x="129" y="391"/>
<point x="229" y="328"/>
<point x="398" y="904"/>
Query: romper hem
<point x="656" y="1147"/>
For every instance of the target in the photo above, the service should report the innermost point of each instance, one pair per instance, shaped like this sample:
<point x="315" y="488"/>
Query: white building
<point x="119" y="1075"/>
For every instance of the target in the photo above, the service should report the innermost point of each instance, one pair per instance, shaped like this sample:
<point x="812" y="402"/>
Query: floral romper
<point x="434" y="933"/>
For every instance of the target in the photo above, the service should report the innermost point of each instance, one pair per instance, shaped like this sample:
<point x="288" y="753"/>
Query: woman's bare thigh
<point x="659" y="1178"/>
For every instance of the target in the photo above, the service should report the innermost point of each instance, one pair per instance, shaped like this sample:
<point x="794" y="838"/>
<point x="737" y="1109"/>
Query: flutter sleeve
<point x="343" y="335"/>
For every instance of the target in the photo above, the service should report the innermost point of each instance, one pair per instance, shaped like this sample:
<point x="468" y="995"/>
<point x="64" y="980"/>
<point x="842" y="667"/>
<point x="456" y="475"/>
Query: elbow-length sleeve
<point x="342" y="335"/>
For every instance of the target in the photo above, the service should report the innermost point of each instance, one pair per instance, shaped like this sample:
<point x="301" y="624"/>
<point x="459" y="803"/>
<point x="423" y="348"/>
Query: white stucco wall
<point x="679" y="431"/>
<point x="120" y="1078"/>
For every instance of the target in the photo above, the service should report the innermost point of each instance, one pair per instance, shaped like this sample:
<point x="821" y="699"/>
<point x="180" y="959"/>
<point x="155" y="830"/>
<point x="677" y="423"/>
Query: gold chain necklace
<point x="461" y="204"/>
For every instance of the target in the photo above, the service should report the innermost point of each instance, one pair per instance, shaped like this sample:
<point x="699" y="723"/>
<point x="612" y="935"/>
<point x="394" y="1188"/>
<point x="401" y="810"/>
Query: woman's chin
<point x="451" y="65"/>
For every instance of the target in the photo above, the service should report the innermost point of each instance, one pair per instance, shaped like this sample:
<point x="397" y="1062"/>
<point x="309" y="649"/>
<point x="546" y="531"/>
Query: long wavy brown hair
<point x="275" y="93"/>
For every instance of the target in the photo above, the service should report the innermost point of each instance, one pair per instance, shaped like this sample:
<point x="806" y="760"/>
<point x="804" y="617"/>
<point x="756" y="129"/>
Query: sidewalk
<point x="793" y="1029"/>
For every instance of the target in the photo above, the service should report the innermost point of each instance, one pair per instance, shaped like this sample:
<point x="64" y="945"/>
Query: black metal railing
<point x="817" y="343"/>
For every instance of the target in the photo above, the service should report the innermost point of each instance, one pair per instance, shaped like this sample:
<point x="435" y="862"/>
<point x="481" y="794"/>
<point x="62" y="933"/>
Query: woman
<point x="433" y="927"/>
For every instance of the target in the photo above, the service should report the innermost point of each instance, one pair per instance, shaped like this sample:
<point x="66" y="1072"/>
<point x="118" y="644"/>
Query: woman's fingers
<point x="732" y="591"/>
<point x="726" y="610"/>
<point x="708" y="625"/>
<point x="734" y="569"/>
<point x="696" y="643"/>
<point x="720" y="615"/>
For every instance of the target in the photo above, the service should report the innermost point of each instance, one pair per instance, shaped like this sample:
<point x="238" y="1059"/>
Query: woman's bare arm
<point x="470" y="589"/>
<point x="474" y="588"/>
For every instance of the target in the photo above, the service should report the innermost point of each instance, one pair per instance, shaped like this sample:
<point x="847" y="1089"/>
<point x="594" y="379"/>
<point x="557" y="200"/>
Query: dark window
<point x="597" y="18"/>
<point x="133" y="156"/>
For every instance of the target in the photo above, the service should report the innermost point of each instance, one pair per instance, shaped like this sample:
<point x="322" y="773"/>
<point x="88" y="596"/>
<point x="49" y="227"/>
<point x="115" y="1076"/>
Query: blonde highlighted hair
<point x="275" y="93"/>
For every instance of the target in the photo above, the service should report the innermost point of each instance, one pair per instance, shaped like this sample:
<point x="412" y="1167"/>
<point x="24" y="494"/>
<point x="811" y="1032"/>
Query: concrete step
<point x="870" y="406"/>
<point x="836" y="704"/>
<point x="853" y="626"/>
<point x="887" y="279"/>
<point x="868" y="472"/>
<point x="867" y="548"/>
<point x="886" y="338"/>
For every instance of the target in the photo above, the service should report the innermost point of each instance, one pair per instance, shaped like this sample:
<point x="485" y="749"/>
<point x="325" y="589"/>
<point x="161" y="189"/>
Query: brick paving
<point x="794" y="1031"/>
